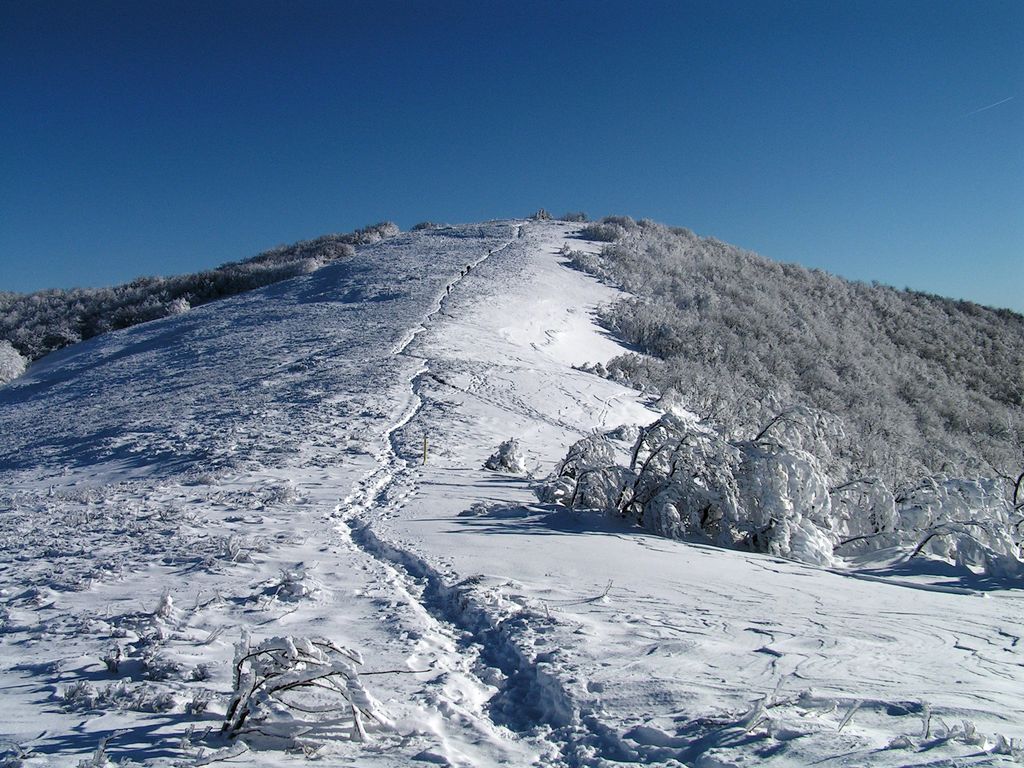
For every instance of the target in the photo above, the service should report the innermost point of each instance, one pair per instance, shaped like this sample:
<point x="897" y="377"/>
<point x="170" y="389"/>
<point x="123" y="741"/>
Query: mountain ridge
<point x="306" y="461"/>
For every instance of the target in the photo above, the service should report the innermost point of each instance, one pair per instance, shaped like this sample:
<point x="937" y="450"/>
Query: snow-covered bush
<point x="602" y="233"/>
<point x="864" y="510"/>
<point x="684" y="482"/>
<point x="787" y="507"/>
<point x="584" y="261"/>
<point x="592" y="452"/>
<point x="179" y="306"/>
<point x="376" y="232"/>
<point x="628" y="433"/>
<point x="286" y="688"/>
<point x="575" y="216"/>
<point x="587" y="477"/>
<point x="508" y="458"/>
<point x="122" y="695"/>
<point x="776" y="494"/>
<point x="293" y="584"/>
<point x="768" y="495"/>
<point x="12" y="364"/>
<point x="967" y="521"/>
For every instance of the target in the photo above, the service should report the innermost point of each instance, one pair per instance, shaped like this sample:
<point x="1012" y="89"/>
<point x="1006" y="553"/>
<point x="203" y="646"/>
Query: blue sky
<point x="162" y="137"/>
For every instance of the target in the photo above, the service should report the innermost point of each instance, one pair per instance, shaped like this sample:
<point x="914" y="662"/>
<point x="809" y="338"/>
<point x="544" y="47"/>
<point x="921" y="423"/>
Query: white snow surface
<point x="256" y="466"/>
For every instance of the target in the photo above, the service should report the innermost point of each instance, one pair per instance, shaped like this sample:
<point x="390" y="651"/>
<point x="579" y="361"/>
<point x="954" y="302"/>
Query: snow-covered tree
<point x="924" y="385"/>
<point x="967" y="521"/>
<point x="777" y="493"/>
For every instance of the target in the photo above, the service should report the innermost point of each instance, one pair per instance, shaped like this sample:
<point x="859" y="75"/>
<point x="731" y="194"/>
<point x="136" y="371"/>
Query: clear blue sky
<point x="162" y="137"/>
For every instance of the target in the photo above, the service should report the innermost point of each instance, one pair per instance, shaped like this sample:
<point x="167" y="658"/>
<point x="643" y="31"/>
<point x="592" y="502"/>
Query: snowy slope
<point x="259" y="462"/>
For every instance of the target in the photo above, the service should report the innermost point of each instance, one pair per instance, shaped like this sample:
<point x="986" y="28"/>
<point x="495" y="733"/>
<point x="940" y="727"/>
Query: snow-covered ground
<point x="256" y="466"/>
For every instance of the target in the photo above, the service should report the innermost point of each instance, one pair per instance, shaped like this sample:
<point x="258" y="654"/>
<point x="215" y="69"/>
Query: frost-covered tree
<point x="967" y="521"/>
<point x="777" y="493"/>
<point x="924" y="385"/>
<point x="587" y="477"/>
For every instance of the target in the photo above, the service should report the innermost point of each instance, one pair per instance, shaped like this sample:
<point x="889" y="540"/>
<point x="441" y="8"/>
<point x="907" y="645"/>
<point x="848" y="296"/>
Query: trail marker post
<point x="424" y="450"/>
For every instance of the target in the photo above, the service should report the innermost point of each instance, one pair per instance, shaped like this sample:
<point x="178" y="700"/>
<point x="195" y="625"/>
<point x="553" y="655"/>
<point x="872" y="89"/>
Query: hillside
<point x="306" y="460"/>
<point x="36" y="324"/>
<point x="923" y="384"/>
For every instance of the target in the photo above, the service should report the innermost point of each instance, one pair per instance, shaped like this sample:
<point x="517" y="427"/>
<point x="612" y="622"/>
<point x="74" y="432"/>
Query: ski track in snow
<point x="259" y="461"/>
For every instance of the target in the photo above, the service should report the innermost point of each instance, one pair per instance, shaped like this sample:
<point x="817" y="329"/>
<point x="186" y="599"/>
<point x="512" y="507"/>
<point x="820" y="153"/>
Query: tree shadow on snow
<point x="158" y="736"/>
<point x="153" y="735"/>
<point x="539" y="519"/>
<point x="941" y="574"/>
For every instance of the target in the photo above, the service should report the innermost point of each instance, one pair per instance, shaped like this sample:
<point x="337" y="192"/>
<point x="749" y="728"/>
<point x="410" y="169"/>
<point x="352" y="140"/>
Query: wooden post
<point x="424" y="450"/>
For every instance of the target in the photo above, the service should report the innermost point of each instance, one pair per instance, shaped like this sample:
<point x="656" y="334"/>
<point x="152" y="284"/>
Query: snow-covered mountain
<point x="306" y="460"/>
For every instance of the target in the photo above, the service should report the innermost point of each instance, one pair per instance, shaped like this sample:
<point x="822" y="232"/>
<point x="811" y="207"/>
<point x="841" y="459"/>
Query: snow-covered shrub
<point x="804" y="429"/>
<point x="967" y="521"/>
<point x="238" y="549"/>
<point x="292" y="585"/>
<point x="602" y="233"/>
<point x="864" y="511"/>
<point x="123" y="695"/>
<point x="599" y="486"/>
<point x="587" y="477"/>
<point x="775" y="494"/>
<point x="575" y="216"/>
<point x="376" y="232"/>
<point x="508" y="458"/>
<point x="158" y="667"/>
<point x="291" y="687"/>
<point x="592" y="452"/>
<point x="787" y="507"/>
<point x="585" y="262"/>
<point x="81" y="694"/>
<point x="684" y="482"/>
<point x="178" y="306"/>
<point x="12" y="364"/>
<point x="626" y="222"/>
<point x="283" y="492"/>
<point x="165" y="609"/>
<point x="611" y="229"/>
<point x="479" y="509"/>
<point x="628" y="433"/>
<point x="768" y="495"/>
